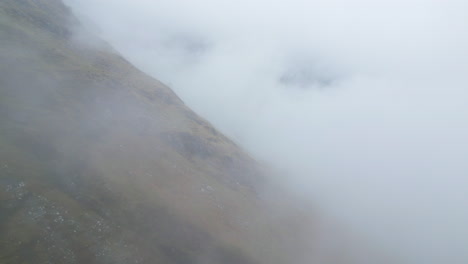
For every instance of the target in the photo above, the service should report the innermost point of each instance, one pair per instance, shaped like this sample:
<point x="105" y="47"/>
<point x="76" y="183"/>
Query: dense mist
<point x="361" y="104"/>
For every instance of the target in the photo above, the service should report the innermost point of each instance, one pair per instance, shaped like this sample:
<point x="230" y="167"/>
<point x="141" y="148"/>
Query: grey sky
<point x="373" y="123"/>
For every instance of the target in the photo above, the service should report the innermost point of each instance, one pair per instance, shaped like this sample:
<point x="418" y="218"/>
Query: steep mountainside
<point x="100" y="163"/>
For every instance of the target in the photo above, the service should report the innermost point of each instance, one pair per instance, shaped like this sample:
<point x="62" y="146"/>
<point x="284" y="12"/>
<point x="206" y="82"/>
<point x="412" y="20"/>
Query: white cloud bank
<point x="364" y="103"/>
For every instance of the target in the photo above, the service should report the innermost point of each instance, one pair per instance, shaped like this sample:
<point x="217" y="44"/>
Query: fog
<point x="362" y="104"/>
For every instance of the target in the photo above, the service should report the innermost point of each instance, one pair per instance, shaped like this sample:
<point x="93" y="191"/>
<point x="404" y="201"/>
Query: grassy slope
<point x="100" y="163"/>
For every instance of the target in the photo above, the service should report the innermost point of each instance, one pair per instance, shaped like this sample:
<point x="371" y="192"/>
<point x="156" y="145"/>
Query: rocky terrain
<point x="100" y="163"/>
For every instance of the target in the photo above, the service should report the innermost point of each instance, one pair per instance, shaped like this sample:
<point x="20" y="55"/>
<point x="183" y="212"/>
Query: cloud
<point x="362" y="102"/>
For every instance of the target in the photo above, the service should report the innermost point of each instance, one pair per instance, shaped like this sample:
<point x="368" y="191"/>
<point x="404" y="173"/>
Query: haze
<point x="361" y="104"/>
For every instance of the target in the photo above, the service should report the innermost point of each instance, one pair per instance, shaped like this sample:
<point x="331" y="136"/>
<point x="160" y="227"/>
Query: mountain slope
<point x="100" y="163"/>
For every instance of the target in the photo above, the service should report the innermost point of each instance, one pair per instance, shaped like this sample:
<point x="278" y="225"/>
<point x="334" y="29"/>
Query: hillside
<point x="100" y="163"/>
